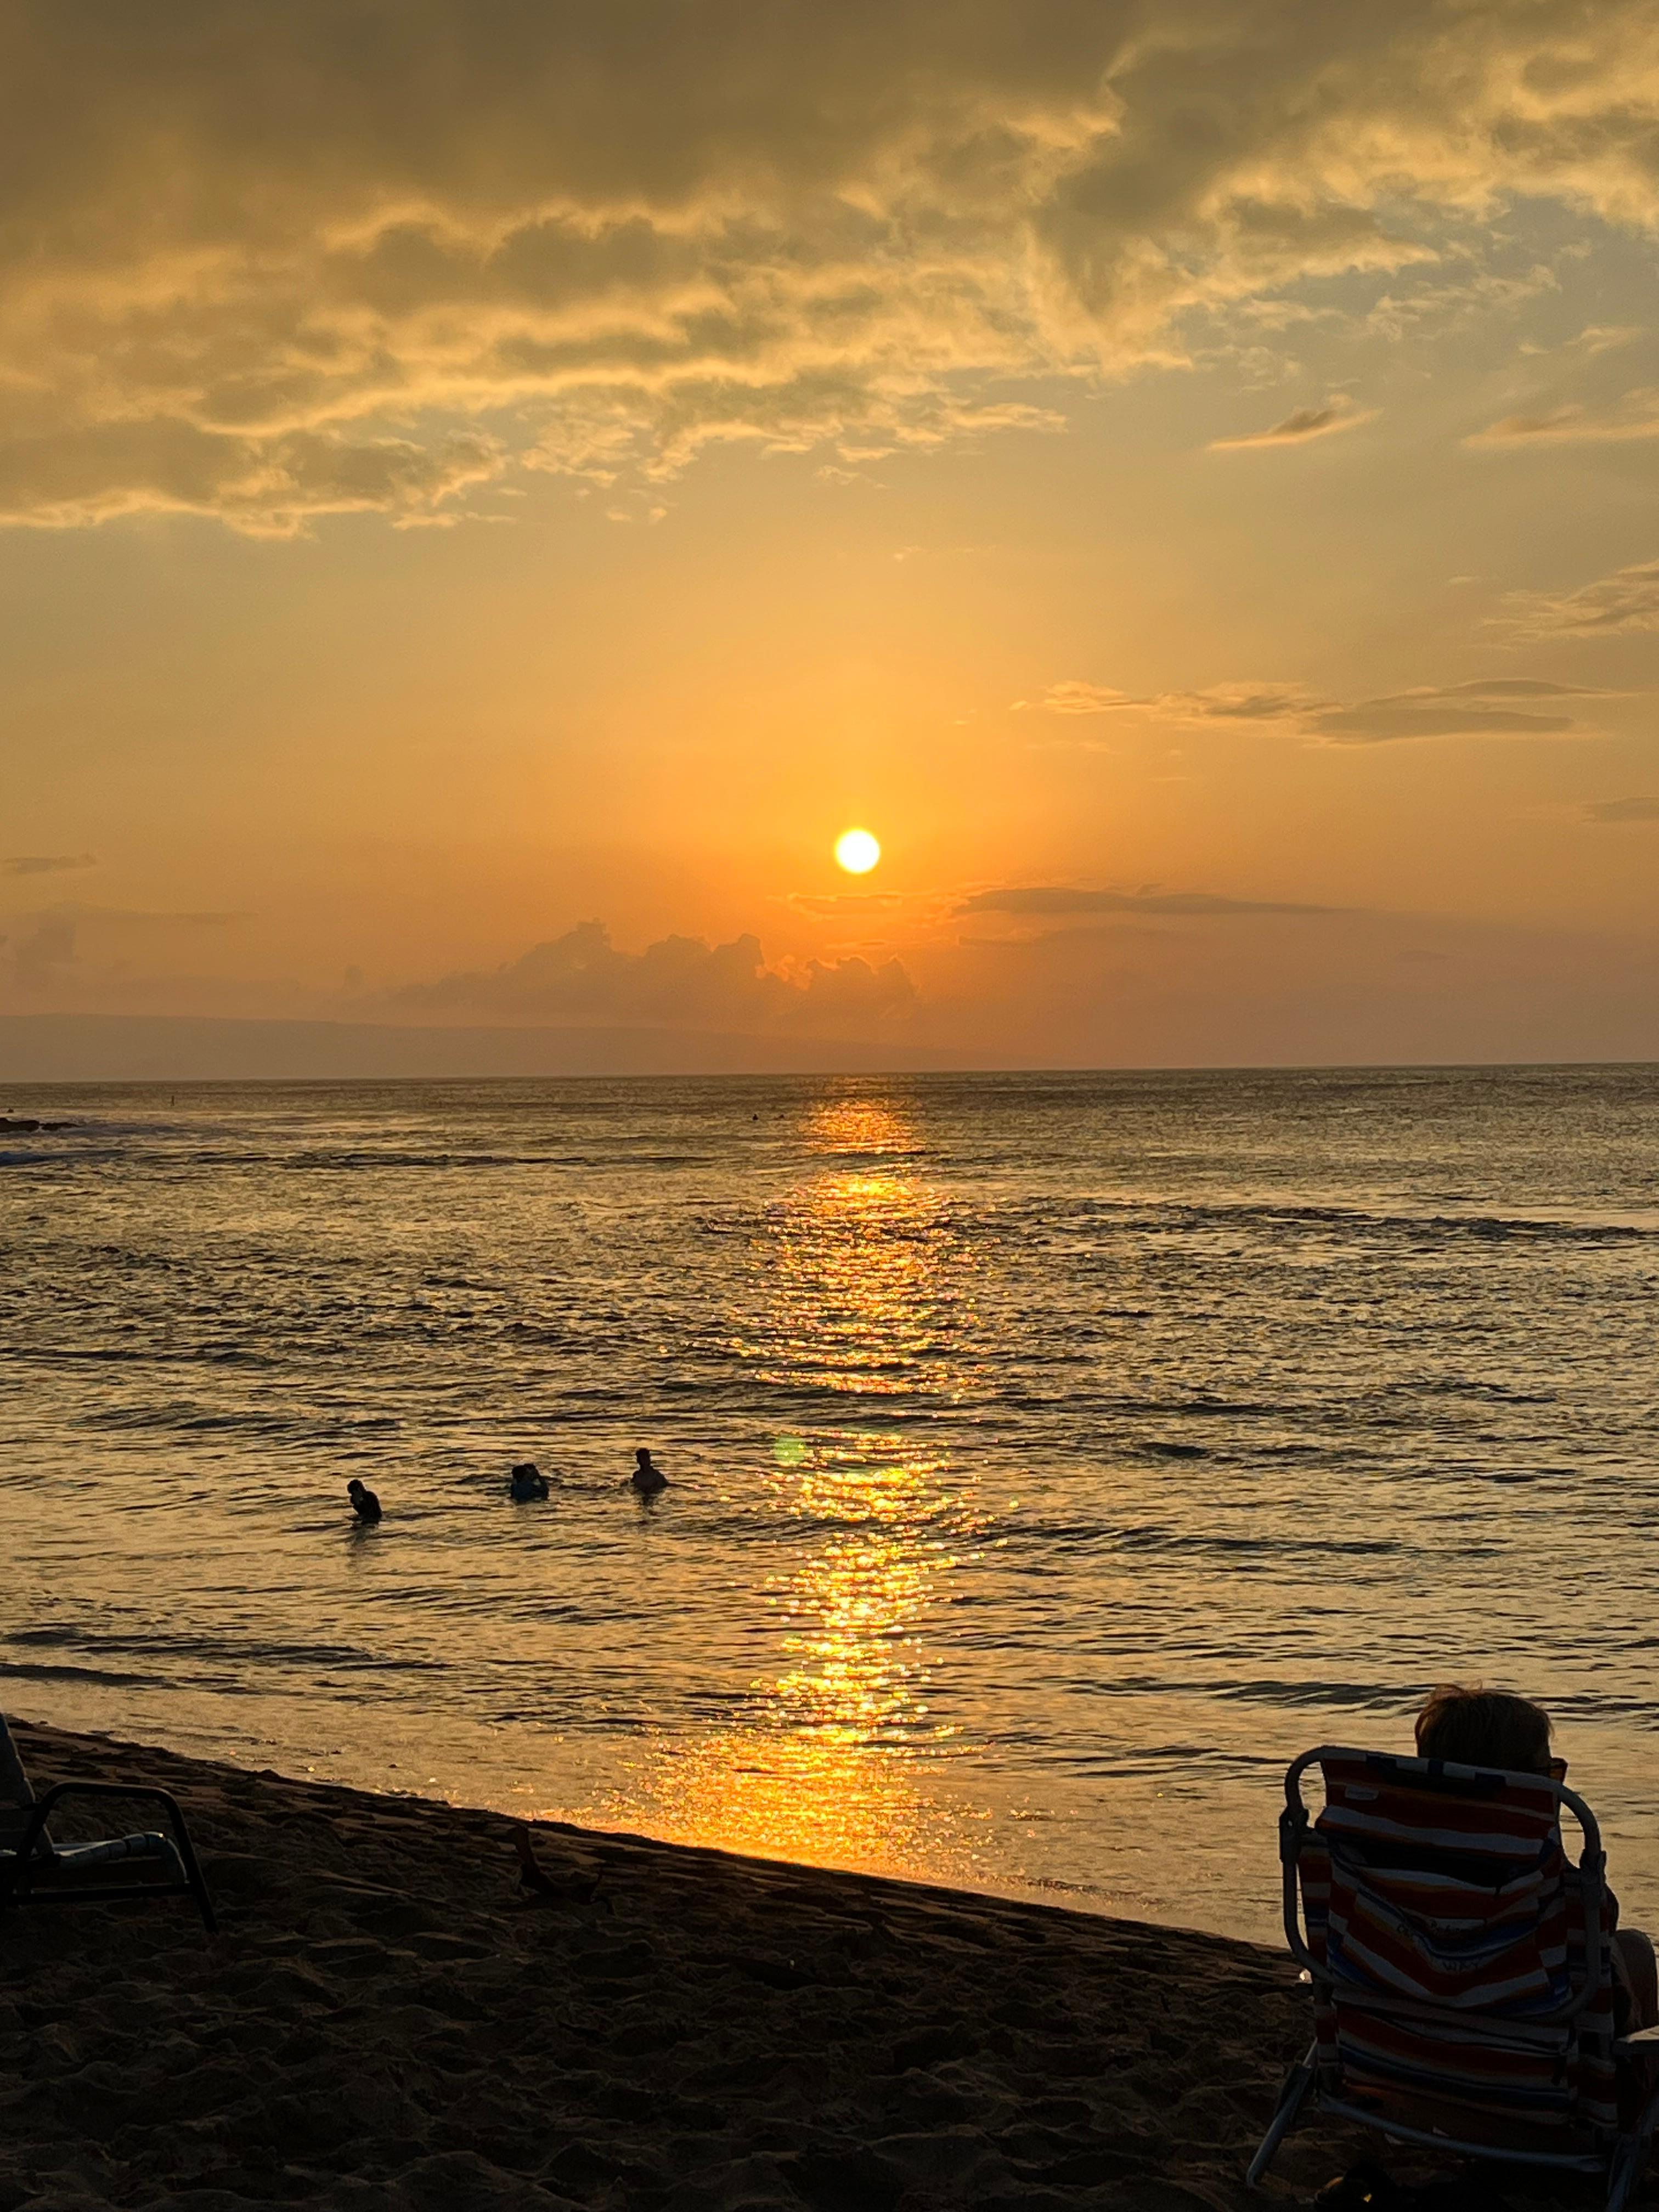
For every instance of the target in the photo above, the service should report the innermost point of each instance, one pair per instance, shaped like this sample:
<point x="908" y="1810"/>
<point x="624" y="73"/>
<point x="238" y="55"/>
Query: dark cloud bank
<point x="268" y="263"/>
<point x="582" y="976"/>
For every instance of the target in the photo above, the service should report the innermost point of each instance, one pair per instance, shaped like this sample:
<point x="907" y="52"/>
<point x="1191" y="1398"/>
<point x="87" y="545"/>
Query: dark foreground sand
<point x="386" y="2021"/>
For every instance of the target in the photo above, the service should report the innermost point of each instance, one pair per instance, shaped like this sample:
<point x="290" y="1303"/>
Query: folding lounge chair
<point x="27" y="1852"/>
<point x="1461" y="1968"/>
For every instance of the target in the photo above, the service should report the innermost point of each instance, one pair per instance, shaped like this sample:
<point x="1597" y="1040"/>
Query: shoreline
<point x="388" y="2021"/>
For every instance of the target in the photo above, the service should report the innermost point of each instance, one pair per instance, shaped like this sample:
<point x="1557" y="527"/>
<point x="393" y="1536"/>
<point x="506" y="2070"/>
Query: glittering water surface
<point x="1052" y="1457"/>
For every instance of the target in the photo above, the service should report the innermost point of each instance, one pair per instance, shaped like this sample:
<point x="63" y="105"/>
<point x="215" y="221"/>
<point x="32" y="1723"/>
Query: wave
<point x="1154" y="1538"/>
<point x="104" y="1677"/>
<point x="225" y="1646"/>
<point x="1168" y="1216"/>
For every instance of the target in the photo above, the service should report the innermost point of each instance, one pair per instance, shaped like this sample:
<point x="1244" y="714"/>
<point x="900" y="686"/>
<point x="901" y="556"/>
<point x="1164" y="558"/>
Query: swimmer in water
<point x="527" y="1482"/>
<point x="648" y="1478"/>
<point x="364" y="1504"/>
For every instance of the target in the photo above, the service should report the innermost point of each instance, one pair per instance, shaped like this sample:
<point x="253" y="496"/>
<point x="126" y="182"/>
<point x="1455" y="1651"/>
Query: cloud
<point x="45" y="864"/>
<point x="1449" y="305"/>
<point x="1241" y="703"/>
<point x="1626" y="600"/>
<point x="38" y="960"/>
<point x="1623" y="809"/>
<point x="1503" y="709"/>
<point x="1595" y="338"/>
<point x="50" y="953"/>
<point x="1075" y="697"/>
<point x="141" y="918"/>
<point x="73" y="914"/>
<point x="1507" y="707"/>
<point x="264" y="487"/>
<point x="1300" y="427"/>
<point x="581" y="977"/>
<point x="1043" y="900"/>
<point x="316" y="257"/>
<point x="1613" y="422"/>
<point x="846" y="905"/>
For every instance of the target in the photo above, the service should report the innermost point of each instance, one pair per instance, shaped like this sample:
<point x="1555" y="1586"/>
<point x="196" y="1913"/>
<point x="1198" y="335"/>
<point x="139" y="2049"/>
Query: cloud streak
<point x="1626" y="600"/>
<point x="1046" y="900"/>
<point x="1505" y="707"/>
<point x="45" y="864"/>
<point x="1300" y="427"/>
<point x="1635" y="415"/>
<point x="314" y="257"/>
<point x="1623" y="809"/>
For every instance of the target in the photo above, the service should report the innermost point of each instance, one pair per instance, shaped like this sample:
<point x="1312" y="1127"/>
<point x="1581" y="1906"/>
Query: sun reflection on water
<point x="838" y="1757"/>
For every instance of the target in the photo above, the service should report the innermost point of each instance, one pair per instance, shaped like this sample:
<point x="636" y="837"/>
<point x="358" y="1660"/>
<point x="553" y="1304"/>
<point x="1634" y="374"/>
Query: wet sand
<point x="387" y="2020"/>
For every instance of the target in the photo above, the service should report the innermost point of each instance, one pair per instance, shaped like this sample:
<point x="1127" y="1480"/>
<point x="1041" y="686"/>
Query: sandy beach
<point x="387" y="2018"/>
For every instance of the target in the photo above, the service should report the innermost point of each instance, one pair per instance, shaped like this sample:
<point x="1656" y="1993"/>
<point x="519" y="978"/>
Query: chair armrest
<point x="62" y="1789"/>
<point x="40" y="1812"/>
<point x="34" y="1836"/>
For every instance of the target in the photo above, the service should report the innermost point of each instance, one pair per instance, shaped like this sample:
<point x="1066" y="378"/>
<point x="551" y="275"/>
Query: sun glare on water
<point x="857" y="851"/>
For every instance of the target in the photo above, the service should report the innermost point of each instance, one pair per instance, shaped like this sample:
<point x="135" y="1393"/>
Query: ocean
<point x="1052" y="1457"/>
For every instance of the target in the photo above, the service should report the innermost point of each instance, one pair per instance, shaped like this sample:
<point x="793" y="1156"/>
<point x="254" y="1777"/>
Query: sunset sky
<point x="491" y="490"/>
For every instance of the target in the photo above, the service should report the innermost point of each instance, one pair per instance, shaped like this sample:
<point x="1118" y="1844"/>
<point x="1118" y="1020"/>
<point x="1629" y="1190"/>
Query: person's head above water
<point x="647" y="1477"/>
<point x="354" y="1489"/>
<point x="1478" y="1727"/>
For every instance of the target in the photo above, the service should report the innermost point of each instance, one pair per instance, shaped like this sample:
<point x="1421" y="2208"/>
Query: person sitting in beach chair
<point x="1494" y="1728"/>
<point x="36" y="1870"/>
<point x="1471" y="1992"/>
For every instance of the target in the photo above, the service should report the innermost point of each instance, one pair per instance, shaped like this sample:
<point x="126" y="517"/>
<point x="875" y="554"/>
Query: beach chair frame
<point x="33" y="1850"/>
<point x="1618" y="2156"/>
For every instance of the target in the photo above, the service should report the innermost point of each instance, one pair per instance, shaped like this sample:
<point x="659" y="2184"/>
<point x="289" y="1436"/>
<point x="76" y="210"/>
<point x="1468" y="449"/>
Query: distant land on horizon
<point x="184" y="1049"/>
<point x="208" y="1049"/>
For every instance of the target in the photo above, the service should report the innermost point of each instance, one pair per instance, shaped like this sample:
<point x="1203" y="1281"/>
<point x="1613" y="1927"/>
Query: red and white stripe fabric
<point x="1457" y="1898"/>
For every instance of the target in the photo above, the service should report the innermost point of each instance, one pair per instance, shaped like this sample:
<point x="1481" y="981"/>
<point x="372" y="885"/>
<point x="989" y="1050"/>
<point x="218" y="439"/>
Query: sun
<point x="857" y="851"/>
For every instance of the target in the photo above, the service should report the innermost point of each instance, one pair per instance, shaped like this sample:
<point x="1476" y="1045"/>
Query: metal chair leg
<point x="1623" y="2175"/>
<point x="194" y="1875"/>
<point x="1292" y="2097"/>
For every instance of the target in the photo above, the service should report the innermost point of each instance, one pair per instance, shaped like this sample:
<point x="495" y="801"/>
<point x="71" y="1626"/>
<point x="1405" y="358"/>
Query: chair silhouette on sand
<point x="35" y="1870"/>
<point x="1462" y="1970"/>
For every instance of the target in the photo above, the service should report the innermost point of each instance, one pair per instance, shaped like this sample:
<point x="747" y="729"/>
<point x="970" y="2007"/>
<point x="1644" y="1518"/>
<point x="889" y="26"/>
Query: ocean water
<point x="1052" y="1457"/>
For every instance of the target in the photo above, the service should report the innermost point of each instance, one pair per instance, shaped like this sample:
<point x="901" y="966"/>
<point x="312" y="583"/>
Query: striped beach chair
<point x="1461" y="1969"/>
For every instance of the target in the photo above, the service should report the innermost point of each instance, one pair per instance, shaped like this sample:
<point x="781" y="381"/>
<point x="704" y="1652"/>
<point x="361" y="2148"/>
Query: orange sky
<point x="1183" y="475"/>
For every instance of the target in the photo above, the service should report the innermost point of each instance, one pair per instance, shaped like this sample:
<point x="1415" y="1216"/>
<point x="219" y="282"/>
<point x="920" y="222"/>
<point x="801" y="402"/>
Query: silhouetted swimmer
<point x="526" y="1482"/>
<point x="647" y="1477"/>
<point x="364" y="1504"/>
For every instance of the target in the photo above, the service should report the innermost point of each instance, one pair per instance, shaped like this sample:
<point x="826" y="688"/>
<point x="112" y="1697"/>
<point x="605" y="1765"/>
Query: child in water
<point x="364" y="1503"/>
<point x="526" y="1483"/>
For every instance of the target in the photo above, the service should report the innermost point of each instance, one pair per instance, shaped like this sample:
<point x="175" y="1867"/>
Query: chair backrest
<point x="15" y="1795"/>
<point x="1460" y="1957"/>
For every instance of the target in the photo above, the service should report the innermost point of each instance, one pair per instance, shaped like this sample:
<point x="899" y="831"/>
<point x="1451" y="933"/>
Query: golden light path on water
<point x="837" y="1757"/>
